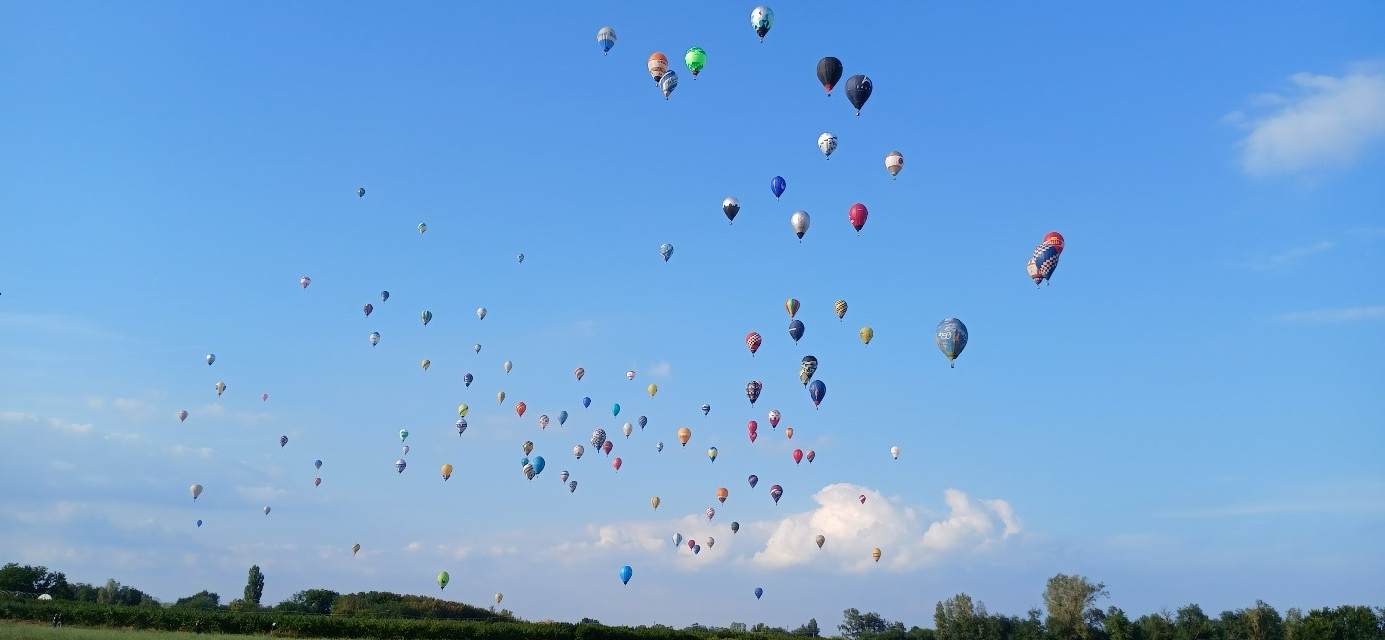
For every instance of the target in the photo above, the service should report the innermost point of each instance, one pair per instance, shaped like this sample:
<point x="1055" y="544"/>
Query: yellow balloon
<point x="875" y="553"/>
<point x="866" y="334"/>
<point x="684" y="434"/>
<point x="462" y="409"/>
<point x="654" y="501"/>
<point x="653" y="389"/>
<point x="446" y="471"/>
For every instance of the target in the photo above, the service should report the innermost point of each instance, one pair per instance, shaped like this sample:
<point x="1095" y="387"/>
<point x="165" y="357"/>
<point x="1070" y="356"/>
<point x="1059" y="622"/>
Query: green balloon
<point x="695" y="58"/>
<point x="443" y="579"/>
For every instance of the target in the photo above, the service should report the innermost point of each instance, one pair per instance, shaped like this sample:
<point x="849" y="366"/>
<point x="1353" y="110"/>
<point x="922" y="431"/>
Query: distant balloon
<point x="858" y="90"/>
<point x="654" y="502"/>
<point x="403" y="435"/>
<point x="658" y="65"/>
<point x="199" y="523"/>
<point x="446" y="471"/>
<point x="712" y="454"/>
<point x="820" y="540"/>
<point x="677" y="539"/>
<point x="696" y="60"/>
<point x="577" y="451"/>
<point x="777" y="186"/>
<point x="360" y="193"/>
<point x="520" y="258"/>
<point x="426" y="317"/>
<point x="384" y="296"/>
<point x="195" y="490"/>
<point x="615" y="409"/>
<point x="579" y="372"/>
<point x="400" y="465"/>
<point x="792" y="306"/>
<point x="788" y="432"/>
<point x="543" y="421"/>
<point x="467" y="378"/>
<point x="706" y="408"/>
<point x="220" y="388"/>
<point x="264" y="397"/>
<point x="500" y="397"/>
<point x="355" y="549"/>
<point x="528" y="447"/>
<point x="659" y="446"/>
<point x="368" y="308"/>
<point x="562" y="477"/>
<point x="266" y="510"/>
<point x="642" y="421"/>
<point x="829" y="73"/>
<point x="752" y="480"/>
<point x="668" y="83"/>
<point x="684" y="434"/>
<point x="861" y="498"/>
<point x="317" y="464"/>
<point x="761" y="19"/>
<point x="586" y="402"/>
<point x="211" y="357"/>
<point x="615" y="464"/>
<point x="774" y="417"/>
<point x="796" y="330"/>
<point x="875" y="553"/>
<point x="182" y="415"/>
<point x="476" y="347"/>
<point x="827" y="143"/>
<point x="817" y="391"/>
<point x="867" y="334"/>
<point x="1045" y="258"/>
<point x="894" y="162"/>
<point x="731" y="206"/>
<point x="443" y="579"/>
<point x="806" y="368"/>
<point x="422" y="227"/>
<point x="572" y="486"/>
<point x="775" y="491"/>
<point x="462" y="409"/>
<point x="797" y="456"/>
<point x="711" y="542"/>
<point x="562" y="417"/>
<point x="759" y="592"/>
<point x="426" y="363"/>
<point x="509" y="365"/>
<point x="539" y="464"/>
<point x="305" y="281"/>
<point x="625" y="574"/>
<point x="461" y="426"/>
<point x="598" y="437"/>
<point x="666" y="250"/>
<point x="811" y="455"/>
<point x="722" y="493"/>
<point x="711" y="513"/>
<point x="735" y="526"/>
<point x="283" y="440"/>
<point x="630" y="375"/>
<point x="752" y="390"/>
<point x="317" y="481"/>
<point x="653" y="389"/>
<point x="799" y="221"/>
<point x="374" y="338"/>
<point x="480" y="313"/>
<point x="607" y="446"/>
<point x="894" y="452"/>
<point x="752" y="341"/>
<point x="752" y="426"/>
<point x="606" y="37"/>
<point x="951" y="338"/>
<point x="627" y="429"/>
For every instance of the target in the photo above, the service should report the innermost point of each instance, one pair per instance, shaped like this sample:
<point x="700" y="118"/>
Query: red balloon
<point x="606" y="447"/>
<point x="753" y="436"/>
<point x="797" y="456"/>
<point x="752" y="340"/>
<point x="857" y="215"/>
<point x="691" y="543"/>
<point x="615" y="463"/>
<point x="1056" y="239"/>
<point x="520" y="407"/>
<point x="753" y="426"/>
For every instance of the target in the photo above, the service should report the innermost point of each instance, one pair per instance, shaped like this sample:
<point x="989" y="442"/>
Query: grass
<point x="11" y="630"/>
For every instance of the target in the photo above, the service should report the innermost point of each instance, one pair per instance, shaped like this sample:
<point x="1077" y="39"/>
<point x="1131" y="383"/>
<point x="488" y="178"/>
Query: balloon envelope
<point x="759" y="592"/>
<point x="606" y="37"/>
<point x="951" y="338"/>
<point x="829" y="73"/>
<point x="625" y="574"/>
<point x="858" y="90"/>
<point x="777" y="186"/>
<point x="799" y="222"/>
<point x="731" y="206"/>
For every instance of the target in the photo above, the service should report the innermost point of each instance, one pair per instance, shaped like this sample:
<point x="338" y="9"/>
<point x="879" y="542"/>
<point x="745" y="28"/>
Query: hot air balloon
<point x="817" y="391"/>
<point x="642" y="421"/>
<point x="579" y="372"/>
<point x="677" y="539"/>
<point x="528" y="447"/>
<point x="761" y="19"/>
<point x="519" y="258"/>
<point x="562" y="477"/>
<point x="317" y="481"/>
<point x="403" y="435"/>
<point x="305" y="281"/>
<point x="182" y="415"/>
<point x="572" y="486"/>
<point x="811" y="455"/>
<point x="426" y="317"/>
<point x="894" y="452"/>
<point x="712" y="454"/>
<point x="1045" y="259"/>
<point x="422" y="227"/>
<point x="264" y="397"/>
<point x="539" y="464"/>
<point x="615" y="464"/>
<point x="775" y="491"/>
<point x="799" y="222"/>
<point x="858" y="89"/>
<point x="668" y="83"/>
<point x="528" y="470"/>
<point x="654" y="502"/>
<point x="820" y="540"/>
<point x="796" y="330"/>
<point x="627" y="429"/>
<point x="446" y="471"/>
<point x="443" y="579"/>
<point x="509" y="366"/>
<point x="857" y="215"/>
<point x="829" y="72"/>
<point x="606" y="37"/>
<point x="659" y="446"/>
<point x="266" y="510"/>
<point x="283" y="440"/>
<point x="730" y="206"/>
<point x="692" y="544"/>
<point x="759" y="592"/>
<point x="752" y="426"/>
<point x="875" y="553"/>
<point x="374" y="338"/>
<point x="696" y="59"/>
<point x="426" y="363"/>
<point x="360" y="193"/>
<point x="658" y="65"/>
<point x="367" y="309"/>
<point x="861" y="498"/>
<point x="500" y="397"/>
<point x="625" y="573"/>
<point x="867" y="334"/>
<point x="630" y="375"/>
<point x="722" y="493"/>
<point x="752" y="390"/>
<point x="199" y="524"/>
<point x="706" y="408"/>
<point x="607" y="446"/>
<point x="711" y="513"/>
<point x="543" y="421"/>
<point x="562" y="417"/>
<point x="462" y="409"/>
<point x="355" y="549"/>
<point x="666" y="250"/>
<point x="598" y="437"/>
<point x="827" y="143"/>
<point x="774" y="417"/>
<point x="615" y="409"/>
<point x="806" y="368"/>
<point x="777" y="185"/>
<point x="711" y="542"/>
<point x="211" y="357"/>
<point x="894" y="161"/>
<point x="735" y="526"/>
<point x="753" y="436"/>
<point x="797" y="456"/>
<point x="480" y="313"/>
<point x="461" y="426"/>
<point x="476" y="347"/>
<point x="788" y="432"/>
<point x="951" y="339"/>
<point x="384" y="296"/>
<point x="753" y="340"/>
<point x="195" y="490"/>
<point x="586" y="402"/>
<point x="220" y="388"/>
<point x="684" y="434"/>
<point x="317" y="464"/>
<point x="577" y="451"/>
<point x="400" y="465"/>
<point x="791" y="305"/>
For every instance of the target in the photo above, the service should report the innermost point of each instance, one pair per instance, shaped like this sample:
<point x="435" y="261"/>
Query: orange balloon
<point x="658" y="66"/>
<point x="788" y="431"/>
<point x="721" y="495"/>
<point x="684" y="434"/>
<point x="520" y="407"/>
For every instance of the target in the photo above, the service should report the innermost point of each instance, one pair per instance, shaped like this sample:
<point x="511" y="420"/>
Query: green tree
<point x="201" y="600"/>
<point x="956" y="619"/>
<point x="254" y="586"/>
<point x="1190" y="623"/>
<point x="862" y="625"/>
<point x="1155" y="626"/>
<point x="84" y="592"/>
<point x="1118" y="625"/>
<point x="1070" y="600"/>
<point x="809" y="629"/>
<point x="313" y="601"/>
<point x="34" y="580"/>
<point x="1260" y="622"/>
<point x="116" y="593"/>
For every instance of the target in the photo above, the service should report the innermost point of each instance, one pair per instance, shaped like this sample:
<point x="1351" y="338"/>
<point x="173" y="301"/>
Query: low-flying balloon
<point x="951" y="338"/>
<point x="443" y="579"/>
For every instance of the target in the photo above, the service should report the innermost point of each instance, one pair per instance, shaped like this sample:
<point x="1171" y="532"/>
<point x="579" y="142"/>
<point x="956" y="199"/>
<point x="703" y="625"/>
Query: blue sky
<point x="1189" y="413"/>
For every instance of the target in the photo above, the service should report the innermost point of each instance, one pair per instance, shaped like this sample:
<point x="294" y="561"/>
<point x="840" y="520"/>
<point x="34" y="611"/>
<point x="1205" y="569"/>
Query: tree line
<point x="1071" y="612"/>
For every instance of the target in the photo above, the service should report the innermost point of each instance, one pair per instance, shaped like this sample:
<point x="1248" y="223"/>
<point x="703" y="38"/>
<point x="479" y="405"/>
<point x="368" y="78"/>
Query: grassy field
<point x="10" y="630"/>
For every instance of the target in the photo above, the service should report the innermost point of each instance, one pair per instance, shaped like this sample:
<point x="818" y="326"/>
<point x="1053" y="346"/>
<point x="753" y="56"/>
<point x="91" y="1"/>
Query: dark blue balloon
<point x="777" y="186"/>
<point x="586" y="402"/>
<point x="817" y="391"/>
<point x="199" y="523"/>
<point x="466" y="379"/>
<point x="562" y="417"/>
<point x="759" y="592"/>
<point x="858" y="89"/>
<point x="384" y="295"/>
<point x="796" y="330"/>
<point x="642" y="421"/>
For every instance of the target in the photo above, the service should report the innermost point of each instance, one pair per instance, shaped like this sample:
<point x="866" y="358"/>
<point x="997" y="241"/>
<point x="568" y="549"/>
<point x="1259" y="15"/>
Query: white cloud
<point x="906" y="535"/>
<point x="73" y="427"/>
<point x="1326" y="121"/>
<point x="123" y="437"/>
<point x="659" y="370"/>
<point x="1288" y="258"/>
<point x="17" y="417"/>
<point x="1336" y="315"/>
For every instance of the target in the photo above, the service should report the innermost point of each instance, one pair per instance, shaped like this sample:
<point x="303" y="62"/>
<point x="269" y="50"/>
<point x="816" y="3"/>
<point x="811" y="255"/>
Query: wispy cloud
<point x="1326" y="120"/>
<point x="1290" y="257"/>
<point x="71" y="427"/>
<point x="17" y="417"/>
<point x="659" y="370"/>
<point x="1348" y="314"/>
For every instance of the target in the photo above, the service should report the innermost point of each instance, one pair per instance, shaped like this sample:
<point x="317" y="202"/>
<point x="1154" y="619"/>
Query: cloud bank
<point x="1325" y="121"/>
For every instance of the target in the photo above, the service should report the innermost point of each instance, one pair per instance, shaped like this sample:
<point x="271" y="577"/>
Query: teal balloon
<point x="615" y="409"/>
<point x="562" y="417"/>
<point x="524" y="461"/>
<point x="538" y="464"/>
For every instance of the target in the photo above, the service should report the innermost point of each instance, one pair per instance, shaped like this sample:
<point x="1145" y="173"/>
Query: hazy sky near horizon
<point x="1190" y="411"/>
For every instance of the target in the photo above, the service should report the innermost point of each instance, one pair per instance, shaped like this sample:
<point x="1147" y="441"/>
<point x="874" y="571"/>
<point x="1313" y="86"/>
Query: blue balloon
<point x="562" y="417"/>
<point x="538" y="465"/>
<point x="642" y="421"/>
<point x="317" y="463"/>
<point x="199" y="523"/>
<point x="666" y="251"/>
<point x="625" y="574"/>
<point x="384" y="295"/>
<point x="796" y="330"/>
<point x="586" y="402"/>
<point x="817" y="391"/>
<point x="523" y="461"/>
<point x="777" y="186"/>
<point x="466" y="379"/>
<point x="858" y="89"/>
<point x="759" y="592"/>
<point x="615" y="409"/>
<point x="735" y="526"/>
<point x="697" y="548"/>
<point x="951" y="338"/>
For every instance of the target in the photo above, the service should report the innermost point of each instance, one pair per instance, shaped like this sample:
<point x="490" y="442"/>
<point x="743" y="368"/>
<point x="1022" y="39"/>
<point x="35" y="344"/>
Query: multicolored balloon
<point x="752" y="341"/>
<point x="776" y="491"/>
<point x="894" y="161"/>
<point x="735" y="526"/>
<point x="761" y="19"/>
<point x="666" y="251"/>
<point x="791" y="305"/>
<point x="806" y="368"/>
<point x="696" y="59"/>
<point x="951" y="338"/>
<point x="658" y="65"/>
<point x="606" y="37"/>
<point x="367" y="309"/>
<point x="579" y="372"/>
<point x="752" y="390"/>
<point x="753" y="480"/>
<point x="461" y="426"/>
<point x="668" y="83"/>
<point x="829" y="73"/>
<point x="817" y="391"/>
<point x="774" y="417"/>
<point x="827" y="143"/>
<point x="1045" y="258"/>
<point x="374" y="338"/>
